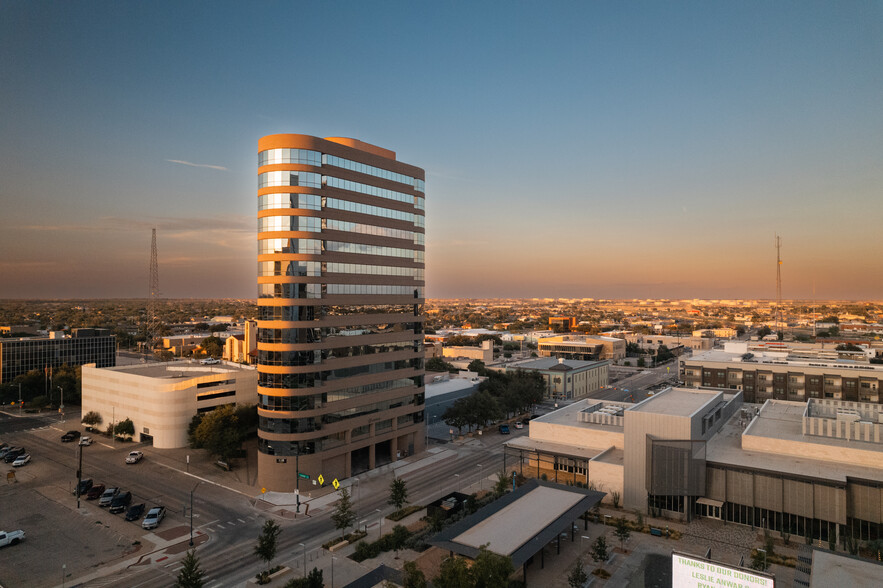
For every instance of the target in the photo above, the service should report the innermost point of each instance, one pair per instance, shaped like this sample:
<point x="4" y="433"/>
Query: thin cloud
<point x="191" y="164"/>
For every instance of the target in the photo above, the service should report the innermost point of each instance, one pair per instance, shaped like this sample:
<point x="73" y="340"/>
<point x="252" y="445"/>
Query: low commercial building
<point x="583" y="348"/>
<point x="162" y="398"/>
<point x="484" y="352"/>
<point x="808" y="469"/>
<point x="566" y="379"/>
<point x="19" y="356"/>
<point x="672" y="342"/>
<point x="783" y="375"/>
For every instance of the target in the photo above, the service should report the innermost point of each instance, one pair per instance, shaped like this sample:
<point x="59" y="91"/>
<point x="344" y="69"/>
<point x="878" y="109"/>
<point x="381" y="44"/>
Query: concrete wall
<point x="581" y="436"/>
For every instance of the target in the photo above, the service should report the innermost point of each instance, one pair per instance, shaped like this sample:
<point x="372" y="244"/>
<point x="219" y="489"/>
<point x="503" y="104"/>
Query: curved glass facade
<point x="342" y="397"/>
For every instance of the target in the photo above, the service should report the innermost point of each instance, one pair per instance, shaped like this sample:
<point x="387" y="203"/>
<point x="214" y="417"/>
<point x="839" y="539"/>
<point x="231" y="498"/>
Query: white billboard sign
<point x="689" y="571"/>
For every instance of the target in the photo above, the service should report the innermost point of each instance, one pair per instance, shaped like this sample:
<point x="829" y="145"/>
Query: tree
<point x="758" y="560"/>
<point x="412" y="576"/>
<point x="663" y="354"/>
<point x="125" y="428"/>
<point x="599" y="551"/>
<point x="622" y="532"/>
<point x="763" y="332"/>
<point x="219" y="432"/>
<point x="312" y="580"/>
<point x="437" y="364"/>
<point x="502" y="483"/>
<point x="578" y="575"/>
<point x="266" y="547"/>
<point x="477" y="366"/>
<point x="92" y="418"/>
<point x="398" y="493"/>
<point x="453" y="573"/>
<point x="490" y="570"/>
<point x="190" y="576"/>
<point x="344" y="515"/>
<point x="212" y="346"/>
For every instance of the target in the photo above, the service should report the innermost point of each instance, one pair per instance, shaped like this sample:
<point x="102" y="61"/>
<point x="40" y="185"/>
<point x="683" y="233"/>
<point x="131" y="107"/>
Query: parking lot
<point x="62" y="539"/>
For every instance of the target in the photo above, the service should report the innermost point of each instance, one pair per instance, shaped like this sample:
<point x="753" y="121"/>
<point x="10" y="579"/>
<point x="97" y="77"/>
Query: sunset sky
<point x="575" y="149"/>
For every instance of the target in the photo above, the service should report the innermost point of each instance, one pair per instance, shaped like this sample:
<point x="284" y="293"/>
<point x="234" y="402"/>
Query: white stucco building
<point x="162" y="398"/>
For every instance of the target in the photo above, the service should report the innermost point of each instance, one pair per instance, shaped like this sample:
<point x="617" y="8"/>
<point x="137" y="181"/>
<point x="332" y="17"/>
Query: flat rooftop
<point x="179" y="369"/>
<point x="767" y="362"/>
<point x="676" y="402"/>
<point x="783" y="420"/>
<point x="834" y="569"/>
<point x="568" y="415"/>
<point x="520" y="523"/>
<point x="549" y="447"/>
<point x="513" y="525"/>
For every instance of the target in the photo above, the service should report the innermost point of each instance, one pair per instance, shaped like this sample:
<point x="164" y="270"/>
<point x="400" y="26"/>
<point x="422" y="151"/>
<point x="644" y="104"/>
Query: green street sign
<point x="304" y="476"/>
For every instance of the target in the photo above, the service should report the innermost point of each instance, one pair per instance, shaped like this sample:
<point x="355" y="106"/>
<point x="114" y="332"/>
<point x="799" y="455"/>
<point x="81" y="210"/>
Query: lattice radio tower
<point x="152" y="311"/>
<point x="778" y="283"/>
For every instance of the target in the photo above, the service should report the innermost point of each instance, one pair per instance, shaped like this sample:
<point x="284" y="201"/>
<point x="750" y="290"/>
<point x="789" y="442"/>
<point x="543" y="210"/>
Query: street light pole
<point x="297" y="487"/>
<point x="61" y="403"/>
<point x="191" y="511"/>
<point x="381" y="522"/>
<point x="305" y="558"/>
<point x="79" y="475"/>
<point x="19" y="399"/>
<point x="480" y="479"/>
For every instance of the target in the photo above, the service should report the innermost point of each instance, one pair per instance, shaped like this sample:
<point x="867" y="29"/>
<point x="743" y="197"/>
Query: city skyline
<point x="628" y="151"/>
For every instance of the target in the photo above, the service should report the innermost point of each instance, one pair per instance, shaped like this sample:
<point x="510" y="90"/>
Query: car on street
<point x="154" y="517"/>
<point x="135" y="511"/>
<point x="95" y="492"/>
<point x="23" y="459"/>
<point x="107" y="496"/>
<point x="83" y="487"/>
<point x="519" y="425"/>
<point x="86" y="441"/>
<point x="210" y="361"/>
<point x="13" y="454"/>
<point x="504" y="429"/>
<point x="70" y="436"/>
<point x="134" y="457"/>
<point x="11" y="537"/>
<point x="121" y="502"/>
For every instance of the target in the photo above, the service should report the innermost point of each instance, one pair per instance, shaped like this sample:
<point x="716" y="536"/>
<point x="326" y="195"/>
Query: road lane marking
<point x="241" y="521"/>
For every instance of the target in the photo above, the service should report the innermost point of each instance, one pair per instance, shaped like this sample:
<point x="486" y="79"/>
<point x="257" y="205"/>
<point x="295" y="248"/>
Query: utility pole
<point x="79" y="474"/>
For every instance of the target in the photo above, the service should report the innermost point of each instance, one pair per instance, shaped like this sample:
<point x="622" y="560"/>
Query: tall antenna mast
<point x="153" y="289"/>
<point x="778" y="283"/>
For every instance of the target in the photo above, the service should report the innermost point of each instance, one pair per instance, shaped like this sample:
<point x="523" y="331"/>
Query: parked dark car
<point x="135" y="511"/>
<point x="504" y="429"/>
<point x="108" y="496"/>
<point x="83" y="487"/>
<point x="13" y="454"/>
<point x="70" y="436"/>
<point x="95" y="492"/>
<point x="121" y="502"/>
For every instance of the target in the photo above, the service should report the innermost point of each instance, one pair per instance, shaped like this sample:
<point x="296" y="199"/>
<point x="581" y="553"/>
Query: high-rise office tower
<point x="340" y="297"/>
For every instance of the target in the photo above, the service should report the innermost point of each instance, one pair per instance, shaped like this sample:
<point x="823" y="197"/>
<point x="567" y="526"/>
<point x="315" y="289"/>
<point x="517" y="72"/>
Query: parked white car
<point x="86" y="441"/>
<point x="22" y="460"/>
<point x="210" y="361"/>
<point x="154" y="517"/>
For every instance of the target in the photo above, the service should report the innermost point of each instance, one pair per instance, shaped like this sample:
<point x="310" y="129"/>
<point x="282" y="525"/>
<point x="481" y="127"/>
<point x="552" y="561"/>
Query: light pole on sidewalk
<point x="191" y="511"/>
<point x="381" y="522"/>
<point x="305" y="558"/>
<point x="332" y="570"/>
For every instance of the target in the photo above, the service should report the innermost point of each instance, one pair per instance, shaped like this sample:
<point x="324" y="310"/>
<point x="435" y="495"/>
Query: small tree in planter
<point x="124" y="428"/>
<point x="600" y="554"/>
<point x="266" y="547"/>
<point x="578" y="575"/>
<point x="343" y="516"/>
<point x="622" y="532"/>
<point x="398" y="493"/>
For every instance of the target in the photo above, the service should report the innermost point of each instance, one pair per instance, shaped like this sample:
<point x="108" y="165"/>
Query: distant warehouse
<point x="19" y="356"/>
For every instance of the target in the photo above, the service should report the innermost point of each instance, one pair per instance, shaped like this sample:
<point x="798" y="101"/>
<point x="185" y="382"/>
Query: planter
<point x="273" y="577"/>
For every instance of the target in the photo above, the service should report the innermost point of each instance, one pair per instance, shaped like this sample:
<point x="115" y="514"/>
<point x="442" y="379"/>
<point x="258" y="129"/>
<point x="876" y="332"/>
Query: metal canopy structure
<point x="521" y="523"/>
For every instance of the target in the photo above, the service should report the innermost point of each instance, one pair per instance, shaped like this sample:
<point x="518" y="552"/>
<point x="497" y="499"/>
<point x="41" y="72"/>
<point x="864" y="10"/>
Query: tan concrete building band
<point x="340" y="295"/>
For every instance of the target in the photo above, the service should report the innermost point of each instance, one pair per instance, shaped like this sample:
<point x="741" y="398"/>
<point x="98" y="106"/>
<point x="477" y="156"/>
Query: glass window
<point x="289" y="178"/>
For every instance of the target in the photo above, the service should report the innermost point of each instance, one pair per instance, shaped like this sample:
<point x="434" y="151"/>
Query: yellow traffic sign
<point x="336" y="484"/>
<point x="321" y="479"/>
<point x="263" y="490"/>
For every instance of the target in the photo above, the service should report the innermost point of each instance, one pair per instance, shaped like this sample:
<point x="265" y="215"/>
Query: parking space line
<point x="241" y="521"/>
<point x="220" y="526"/>
<point x="231" y="523"/>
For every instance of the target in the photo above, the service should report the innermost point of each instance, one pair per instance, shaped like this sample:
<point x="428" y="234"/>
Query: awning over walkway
<point x="520" y="523"/>
<point x="709" y="502"/>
